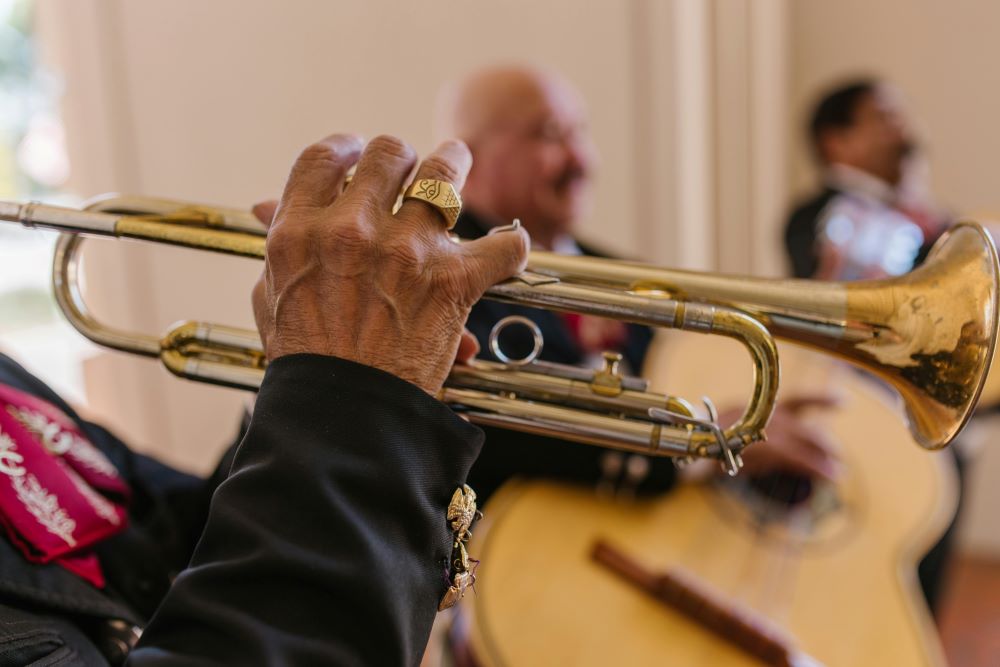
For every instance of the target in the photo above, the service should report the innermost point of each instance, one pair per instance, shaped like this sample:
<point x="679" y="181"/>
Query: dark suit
<point x="510" y="454"/>
<point x="801" y="233"/>
<point x="326" y="544"/>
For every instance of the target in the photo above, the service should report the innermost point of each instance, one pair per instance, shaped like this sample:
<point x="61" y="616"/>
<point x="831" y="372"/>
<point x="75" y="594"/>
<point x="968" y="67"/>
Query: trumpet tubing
<point x="930" y="334"/>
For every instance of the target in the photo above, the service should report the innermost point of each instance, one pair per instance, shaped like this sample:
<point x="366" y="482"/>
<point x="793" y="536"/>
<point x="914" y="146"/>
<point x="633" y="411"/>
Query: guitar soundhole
<point x="786" y="508"/>
<point x="782" y="489"/>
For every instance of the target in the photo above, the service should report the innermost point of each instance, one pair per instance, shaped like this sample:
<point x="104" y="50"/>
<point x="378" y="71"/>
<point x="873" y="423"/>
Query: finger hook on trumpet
<point x="537" y="340"/>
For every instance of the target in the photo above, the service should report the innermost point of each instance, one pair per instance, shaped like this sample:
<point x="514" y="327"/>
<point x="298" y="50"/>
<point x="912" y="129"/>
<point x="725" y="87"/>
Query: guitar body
<point x="837" y="574"/>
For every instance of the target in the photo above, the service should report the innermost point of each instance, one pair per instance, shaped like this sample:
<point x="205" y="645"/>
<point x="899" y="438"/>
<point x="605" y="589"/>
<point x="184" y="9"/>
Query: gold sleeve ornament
<point x="462" y="512"/>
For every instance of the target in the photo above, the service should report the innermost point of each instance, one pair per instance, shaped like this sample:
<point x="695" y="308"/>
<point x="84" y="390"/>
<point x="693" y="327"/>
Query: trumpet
<point x="929" y="334"/>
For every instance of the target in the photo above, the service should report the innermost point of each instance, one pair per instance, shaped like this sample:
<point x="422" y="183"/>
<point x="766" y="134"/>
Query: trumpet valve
<point x="608" y="380"/>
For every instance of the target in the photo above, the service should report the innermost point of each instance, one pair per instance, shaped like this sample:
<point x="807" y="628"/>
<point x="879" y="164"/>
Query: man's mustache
<point x="571" y="176"/>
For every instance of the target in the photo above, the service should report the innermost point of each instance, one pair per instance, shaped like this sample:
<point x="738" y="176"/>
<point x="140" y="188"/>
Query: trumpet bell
<point x="935" y="332"/>
<point x="930" y="334"/>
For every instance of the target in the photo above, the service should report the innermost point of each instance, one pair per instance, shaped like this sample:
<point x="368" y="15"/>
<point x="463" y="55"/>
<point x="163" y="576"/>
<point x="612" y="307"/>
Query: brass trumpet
<point x="930" y="334"/>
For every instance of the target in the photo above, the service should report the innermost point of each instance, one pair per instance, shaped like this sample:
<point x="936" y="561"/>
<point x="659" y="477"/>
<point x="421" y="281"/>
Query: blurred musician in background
<point x="873" y="216"/>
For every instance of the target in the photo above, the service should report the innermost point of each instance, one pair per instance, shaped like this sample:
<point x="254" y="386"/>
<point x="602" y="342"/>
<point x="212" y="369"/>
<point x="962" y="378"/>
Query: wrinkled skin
<point x="344" y="276"/>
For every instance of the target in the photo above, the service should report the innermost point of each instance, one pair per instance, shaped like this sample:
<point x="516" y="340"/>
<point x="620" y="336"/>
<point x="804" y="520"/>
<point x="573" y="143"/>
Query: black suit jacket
<point x="326" y="544"/>
<point x="801" y="232"/>
<point x="509" y="454"/>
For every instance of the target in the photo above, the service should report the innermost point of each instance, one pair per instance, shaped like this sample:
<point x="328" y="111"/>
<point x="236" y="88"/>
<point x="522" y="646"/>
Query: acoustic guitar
<point x="829" y="567"/>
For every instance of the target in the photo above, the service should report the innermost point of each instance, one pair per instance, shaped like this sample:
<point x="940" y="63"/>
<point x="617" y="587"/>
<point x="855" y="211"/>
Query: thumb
<point x="264" y="211"/>
<point x="493" y="258"/>
<point x="468" y="348"/>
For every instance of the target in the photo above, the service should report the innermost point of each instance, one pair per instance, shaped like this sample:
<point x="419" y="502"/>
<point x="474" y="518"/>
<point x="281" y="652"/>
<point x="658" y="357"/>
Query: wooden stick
<point x="737" y="625"/>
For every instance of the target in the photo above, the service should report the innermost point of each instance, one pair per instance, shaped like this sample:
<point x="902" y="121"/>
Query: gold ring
<point x="442" y="195"/>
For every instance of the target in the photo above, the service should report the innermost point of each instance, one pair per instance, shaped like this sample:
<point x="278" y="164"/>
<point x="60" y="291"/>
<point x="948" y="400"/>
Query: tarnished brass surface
<point x="930" y="334"/>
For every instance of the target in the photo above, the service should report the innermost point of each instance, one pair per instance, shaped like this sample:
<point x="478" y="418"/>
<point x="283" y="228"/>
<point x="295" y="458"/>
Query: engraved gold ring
<point x="442" y="195"/>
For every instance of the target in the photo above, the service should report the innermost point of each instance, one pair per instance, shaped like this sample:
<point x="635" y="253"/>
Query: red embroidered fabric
<point x="594" y="335"/>
<point x="59" y="495"/>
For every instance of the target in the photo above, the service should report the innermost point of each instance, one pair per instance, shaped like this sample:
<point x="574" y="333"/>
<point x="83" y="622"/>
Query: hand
<point x="468" y="345"/>
<point x="793" y="444"/>
<point x="345" y="277"/>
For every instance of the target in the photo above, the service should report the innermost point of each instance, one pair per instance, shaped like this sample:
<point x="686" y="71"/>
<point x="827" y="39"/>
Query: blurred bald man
<point x="533" y="156"/>
<point x="533" y="159"/>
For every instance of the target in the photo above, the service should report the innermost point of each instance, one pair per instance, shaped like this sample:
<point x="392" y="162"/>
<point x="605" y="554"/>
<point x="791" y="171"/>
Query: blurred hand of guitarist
<point x="796" y="443"/>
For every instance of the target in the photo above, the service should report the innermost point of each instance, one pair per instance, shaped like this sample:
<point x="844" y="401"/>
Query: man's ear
<point x="831" y="145"/>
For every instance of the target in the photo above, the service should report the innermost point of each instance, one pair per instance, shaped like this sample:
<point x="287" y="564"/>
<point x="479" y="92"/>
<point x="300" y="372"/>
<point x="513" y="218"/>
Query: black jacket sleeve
<point x="800" y="234"/>
<point x="328" y="542"/>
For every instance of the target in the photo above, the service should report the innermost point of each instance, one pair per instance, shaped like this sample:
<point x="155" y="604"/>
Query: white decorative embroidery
<point x="9" y="458"/>
<point x="44" y="506"/>
<point x="99" y="503"/>
<point x="90" y="456"/>
<point x="61" y="442"/>
<point x="38" y="424"/>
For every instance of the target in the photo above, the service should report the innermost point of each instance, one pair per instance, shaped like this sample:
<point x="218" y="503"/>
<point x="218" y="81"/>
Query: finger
<point x="468" y="348"/>
<point x="789" y="455"/>
<point x="450" y="162"/>
<point x="264" y="211"/>
<point x="317" y="176"/>
<point x="800" y="402"/>
<point x="383" y="167"/>
<point x="490" y="259"/>
<point x="812" y="448"/>
<point x="816" y="438"/>
<point x="812" y="461"/>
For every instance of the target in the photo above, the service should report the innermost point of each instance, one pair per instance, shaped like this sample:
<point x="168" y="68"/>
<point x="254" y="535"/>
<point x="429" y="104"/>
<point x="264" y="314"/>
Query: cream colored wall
<point x="944" y="56"/>
<point x="694" y="105"/>
<point x="211" y="101"/>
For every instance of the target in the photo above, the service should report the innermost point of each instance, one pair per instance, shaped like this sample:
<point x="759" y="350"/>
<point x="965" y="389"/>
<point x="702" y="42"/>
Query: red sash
<point x="59" y="495"/>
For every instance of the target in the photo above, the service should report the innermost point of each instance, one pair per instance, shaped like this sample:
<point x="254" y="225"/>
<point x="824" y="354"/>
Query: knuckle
<point x="407" y="257"/>
<point x="439" y="167"/>
<point x="322" y="153"/>
<point x="450" y="283"/>
<point x="353" y="234"/>
<point x="388" y="146"/>
<point x="458" y="147"/>
<point x="280" y="242"/>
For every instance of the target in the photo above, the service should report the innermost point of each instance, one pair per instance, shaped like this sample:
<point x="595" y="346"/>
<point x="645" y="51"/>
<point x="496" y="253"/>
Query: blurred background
<point x="697" y="107"/>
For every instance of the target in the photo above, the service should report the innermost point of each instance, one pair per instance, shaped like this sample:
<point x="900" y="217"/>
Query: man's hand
<point x="345" y="277"/>
<point x="794" y="444"/>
